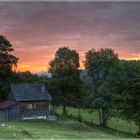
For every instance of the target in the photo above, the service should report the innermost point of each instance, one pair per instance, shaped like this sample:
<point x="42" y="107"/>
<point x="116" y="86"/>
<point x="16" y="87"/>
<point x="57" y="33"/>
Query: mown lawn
<point x="115" y="123"/>
<point x="60" y="129"/>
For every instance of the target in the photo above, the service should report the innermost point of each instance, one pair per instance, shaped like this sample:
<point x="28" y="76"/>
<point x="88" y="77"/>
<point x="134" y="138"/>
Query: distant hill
<point x="83" y="75"/>
<point x="45" y="74"/>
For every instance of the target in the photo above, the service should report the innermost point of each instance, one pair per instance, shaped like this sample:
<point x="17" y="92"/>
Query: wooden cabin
<point x="26" y="101"/>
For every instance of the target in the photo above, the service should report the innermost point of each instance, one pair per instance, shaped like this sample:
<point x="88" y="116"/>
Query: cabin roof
<point x="29" y="92"/>
<point x="6" y="104"/>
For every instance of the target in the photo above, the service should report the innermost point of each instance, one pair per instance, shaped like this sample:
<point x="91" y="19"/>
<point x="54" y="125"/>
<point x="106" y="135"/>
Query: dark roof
<point x="6" y="104"/>
<point x="29" y="92"/>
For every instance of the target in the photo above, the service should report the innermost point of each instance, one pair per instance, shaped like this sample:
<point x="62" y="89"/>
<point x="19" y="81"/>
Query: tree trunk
<point x="64" y="110"/>
<point x="104" y="119"/>
<point x="79" y="115"/>
<point x="79" y="111"/>
<point x="100" y="117"/>
<point x="104" y="123"/>
<point x="138" y="134"/>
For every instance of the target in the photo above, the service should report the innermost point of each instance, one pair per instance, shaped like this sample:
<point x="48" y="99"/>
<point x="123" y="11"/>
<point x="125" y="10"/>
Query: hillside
<point x="117" y="124"/>
<point x="61" y="129"/>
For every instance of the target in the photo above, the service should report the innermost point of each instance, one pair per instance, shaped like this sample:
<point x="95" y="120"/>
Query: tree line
<point x="113" y="88"/>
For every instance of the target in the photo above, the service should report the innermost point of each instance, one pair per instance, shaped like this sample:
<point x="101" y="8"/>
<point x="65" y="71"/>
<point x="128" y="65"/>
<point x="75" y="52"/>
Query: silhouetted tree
<point x="7" y="62"/>
<point x="66" y="75"/>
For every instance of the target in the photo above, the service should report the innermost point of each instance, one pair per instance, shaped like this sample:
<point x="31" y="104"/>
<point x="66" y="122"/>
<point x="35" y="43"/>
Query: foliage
<point x="26" y="77"/>
<point x="66" y="77"/>
<point x="106" y="70"/>
<point x="66" y="61"/>
<point x="7" y="62"/>
<point x="131" y="108"/>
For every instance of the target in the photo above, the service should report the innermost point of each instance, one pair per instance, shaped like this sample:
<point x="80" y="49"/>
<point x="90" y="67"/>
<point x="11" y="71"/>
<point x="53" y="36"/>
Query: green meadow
<point x="114" y="123"/>
<point x="60" y="129"/>
<point x="66" y="128"/>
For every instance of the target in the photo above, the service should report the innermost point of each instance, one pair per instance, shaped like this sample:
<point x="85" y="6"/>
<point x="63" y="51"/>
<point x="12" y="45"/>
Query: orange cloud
<point x="31" y="68"/>
<point x="34" y="69"/>
<point x="35" y="65"/>
<point x="41" y="29"/>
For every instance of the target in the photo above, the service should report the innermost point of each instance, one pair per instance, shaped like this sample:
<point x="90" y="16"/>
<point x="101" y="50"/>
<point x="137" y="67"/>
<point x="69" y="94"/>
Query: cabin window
<point x="30" y="106"/>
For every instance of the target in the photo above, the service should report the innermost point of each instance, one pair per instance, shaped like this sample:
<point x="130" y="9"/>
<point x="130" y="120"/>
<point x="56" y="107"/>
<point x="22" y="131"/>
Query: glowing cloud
<point x="38" y="29"/>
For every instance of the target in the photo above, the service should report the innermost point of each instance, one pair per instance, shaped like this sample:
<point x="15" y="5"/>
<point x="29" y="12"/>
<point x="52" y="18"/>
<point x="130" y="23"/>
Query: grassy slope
<point x="64" y="128"/>
<point x="115" y="123"/>
<point x="61" y="129"/>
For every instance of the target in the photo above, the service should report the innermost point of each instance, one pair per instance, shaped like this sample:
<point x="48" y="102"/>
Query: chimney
<point x="43" y="89"/>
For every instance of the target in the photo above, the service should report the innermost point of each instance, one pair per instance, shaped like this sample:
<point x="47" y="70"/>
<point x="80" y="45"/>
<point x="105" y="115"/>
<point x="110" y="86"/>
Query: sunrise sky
<point x="37" y="29"/>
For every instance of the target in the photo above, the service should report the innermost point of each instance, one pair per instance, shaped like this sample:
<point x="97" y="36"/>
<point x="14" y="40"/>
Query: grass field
<point x="65" y="128"/>
<point x="115" y="123"/>
<point x="60" y="129"/>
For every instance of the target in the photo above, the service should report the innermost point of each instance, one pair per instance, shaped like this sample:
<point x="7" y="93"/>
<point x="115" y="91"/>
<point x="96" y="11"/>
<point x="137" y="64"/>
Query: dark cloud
<point x="80" y="25"/>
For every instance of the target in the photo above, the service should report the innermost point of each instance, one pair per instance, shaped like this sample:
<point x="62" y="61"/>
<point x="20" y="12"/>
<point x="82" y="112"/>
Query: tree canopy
<point x="66" y="61"/>
<point x="7" y="62"/>
<point x="6" y="59"/>
<point x="66" y="75"/>
<point x="104" y="68"/>
<point x="131" y="108"/>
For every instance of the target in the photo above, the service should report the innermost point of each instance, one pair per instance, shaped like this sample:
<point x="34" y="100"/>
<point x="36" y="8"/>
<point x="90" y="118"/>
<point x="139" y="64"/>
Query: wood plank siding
<point x="32" y="106"/>
<point x="10" y="113"/>
<point x="25" y="101"/>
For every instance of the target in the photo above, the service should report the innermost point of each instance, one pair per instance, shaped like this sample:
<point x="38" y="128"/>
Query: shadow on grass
<point x="96" y="126"/>
<point x="29" y="135"/>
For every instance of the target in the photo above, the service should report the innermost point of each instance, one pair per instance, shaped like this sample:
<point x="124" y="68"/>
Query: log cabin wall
<point x="10" y="113"/>
<point x="34" y="106"/>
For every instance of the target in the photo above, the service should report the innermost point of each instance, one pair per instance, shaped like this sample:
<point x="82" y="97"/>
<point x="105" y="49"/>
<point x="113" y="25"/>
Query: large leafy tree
<point x="105" y="70"/>
<point x="66" y="75"/>
<point x="131" y="109"/>
<point x="7" y="62"/>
